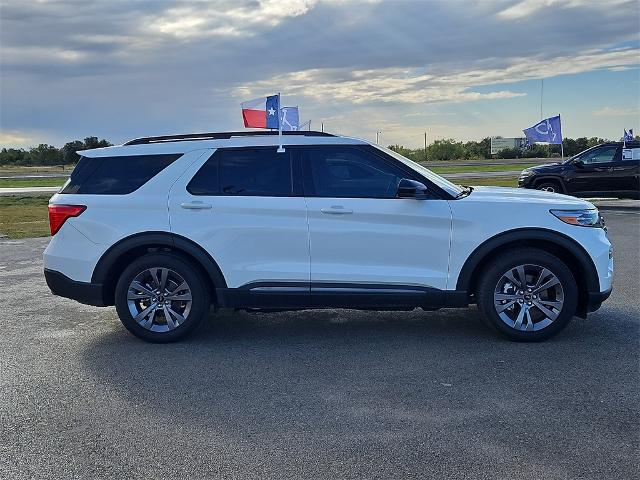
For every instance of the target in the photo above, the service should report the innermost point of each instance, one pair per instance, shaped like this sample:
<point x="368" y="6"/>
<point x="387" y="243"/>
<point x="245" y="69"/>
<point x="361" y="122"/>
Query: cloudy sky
<point x="455" y="69"/>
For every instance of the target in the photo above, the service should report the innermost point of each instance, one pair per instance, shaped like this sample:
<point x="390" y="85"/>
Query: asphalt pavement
<point x="328" y="394"/>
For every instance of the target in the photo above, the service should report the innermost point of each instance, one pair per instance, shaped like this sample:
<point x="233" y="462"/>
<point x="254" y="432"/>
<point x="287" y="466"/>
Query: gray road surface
<point x="23" y="190"/>
<point x="333" y="394"/>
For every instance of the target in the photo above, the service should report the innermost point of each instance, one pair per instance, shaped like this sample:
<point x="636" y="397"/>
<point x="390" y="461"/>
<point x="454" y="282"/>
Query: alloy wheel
<point x="159" y="299"/>
<point x="528" y="297"/>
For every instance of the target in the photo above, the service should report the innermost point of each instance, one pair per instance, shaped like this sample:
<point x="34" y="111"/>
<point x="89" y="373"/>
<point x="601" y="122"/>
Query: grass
<point x="24" y="216"/>
<point x="31" y="182"/>
<point x="480" y="168"/>
<point x="494" y="181"/>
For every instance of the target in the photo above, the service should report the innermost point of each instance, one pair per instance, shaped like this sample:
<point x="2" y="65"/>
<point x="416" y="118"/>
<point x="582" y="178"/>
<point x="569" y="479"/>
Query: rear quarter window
<point x="115" y="175"/>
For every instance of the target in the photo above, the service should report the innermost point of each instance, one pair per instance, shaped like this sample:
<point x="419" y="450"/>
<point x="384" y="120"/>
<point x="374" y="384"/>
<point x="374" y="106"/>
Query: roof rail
<point x="186" y="137"/>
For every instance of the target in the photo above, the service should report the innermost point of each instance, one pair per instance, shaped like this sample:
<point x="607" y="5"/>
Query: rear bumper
<point x="83" y="292"/>
<point x="596" y="299"/>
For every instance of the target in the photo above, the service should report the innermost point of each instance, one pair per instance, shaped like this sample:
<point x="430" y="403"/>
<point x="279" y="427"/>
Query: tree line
<point x="448" y="149"/>
<point x="48" y="155"/>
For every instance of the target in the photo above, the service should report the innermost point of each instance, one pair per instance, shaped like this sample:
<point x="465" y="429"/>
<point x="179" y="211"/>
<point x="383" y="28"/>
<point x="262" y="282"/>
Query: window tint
<point x="349" y="173"/>
<point x="115" y="175"/>
<point x="205" y="181"/>
<point x="244" y="172"/>
<point x="600" y="155"/>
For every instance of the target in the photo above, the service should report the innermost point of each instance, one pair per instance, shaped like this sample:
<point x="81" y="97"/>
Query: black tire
<point x="493" y="275"/>
<point x="549" y="186"/>
<point x="178" y="267"/>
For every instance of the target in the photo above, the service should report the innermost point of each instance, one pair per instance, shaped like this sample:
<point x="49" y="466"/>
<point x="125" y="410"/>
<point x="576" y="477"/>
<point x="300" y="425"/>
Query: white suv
<point x="165" y="227"/>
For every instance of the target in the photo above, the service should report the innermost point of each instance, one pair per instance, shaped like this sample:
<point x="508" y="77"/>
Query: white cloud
<point x="617" y="112"/>
<point x="443" y="84"/>
<point x="526" y="8"/>
<point x="213" y="19"/>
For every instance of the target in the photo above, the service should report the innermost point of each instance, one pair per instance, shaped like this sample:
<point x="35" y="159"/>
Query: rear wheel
<point x="527" y="294"/>
<point x="161" y="297"/>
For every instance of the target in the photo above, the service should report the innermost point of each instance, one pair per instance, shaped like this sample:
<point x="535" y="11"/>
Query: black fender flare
<point x="555" y="178"/>
<point x="101" y="273"/>
<point x="529" y="234"/>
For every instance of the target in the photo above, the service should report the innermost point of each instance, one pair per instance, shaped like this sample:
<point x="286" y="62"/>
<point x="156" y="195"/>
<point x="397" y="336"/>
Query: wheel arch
<point x="560" y="245"/>
<point x="550" y="178"/>
<point x="119" y="255"/>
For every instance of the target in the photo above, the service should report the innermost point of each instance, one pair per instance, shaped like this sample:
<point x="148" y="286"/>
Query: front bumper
<point x="526" y="182"/>
<point x="83" y="292"/>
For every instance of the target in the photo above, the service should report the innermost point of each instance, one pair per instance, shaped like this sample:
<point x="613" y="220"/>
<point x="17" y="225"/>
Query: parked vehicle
<point x="601" y="171"/>
<point x="166" y="227"/>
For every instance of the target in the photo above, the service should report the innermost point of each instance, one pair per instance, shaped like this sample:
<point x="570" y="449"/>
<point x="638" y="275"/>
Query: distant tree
<point x="13" y="156"/>
<point x="445" y="150"/>
<point x="69" y="151"/>
<point x="44" y="154"/>
<point x="93" y="142"/>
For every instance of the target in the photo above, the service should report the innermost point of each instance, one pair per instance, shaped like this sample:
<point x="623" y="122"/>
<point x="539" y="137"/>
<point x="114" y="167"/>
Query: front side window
<point x="600" y="155"/>
<point x="244" y="172"/>
<point x="345" y="172"/>
<point x="451" y="188"/>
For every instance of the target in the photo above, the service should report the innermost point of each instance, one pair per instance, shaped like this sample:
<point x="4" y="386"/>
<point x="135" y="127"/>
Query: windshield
<point x="451" y="188"/>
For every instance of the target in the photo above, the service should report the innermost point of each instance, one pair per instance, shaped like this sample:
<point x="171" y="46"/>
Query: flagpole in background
<point x="280" y="147"/>
<point x="541" y="94"/>
<point x="561" y="142"/>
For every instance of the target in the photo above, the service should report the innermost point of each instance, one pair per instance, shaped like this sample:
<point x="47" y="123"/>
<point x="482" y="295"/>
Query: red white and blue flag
<point x="262" y="112"/>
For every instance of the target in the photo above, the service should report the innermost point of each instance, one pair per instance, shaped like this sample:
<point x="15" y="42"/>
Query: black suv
<point x="606" y="170"/>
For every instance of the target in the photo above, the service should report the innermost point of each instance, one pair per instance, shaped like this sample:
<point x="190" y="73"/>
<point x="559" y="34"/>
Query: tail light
<point x="58" y="214"/>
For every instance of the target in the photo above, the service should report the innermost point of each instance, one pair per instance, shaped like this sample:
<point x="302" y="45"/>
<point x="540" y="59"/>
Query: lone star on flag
<point x="271" y="111"/>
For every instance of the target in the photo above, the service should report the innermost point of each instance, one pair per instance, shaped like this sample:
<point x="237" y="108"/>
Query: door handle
<point x="336" y="210"/>
<point x="197" y="205"/>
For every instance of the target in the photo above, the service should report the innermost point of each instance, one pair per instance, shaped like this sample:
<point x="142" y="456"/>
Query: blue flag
<point x="290" y="119"/>
<point x="547" y="130"/>
<point x="628" y="136"/>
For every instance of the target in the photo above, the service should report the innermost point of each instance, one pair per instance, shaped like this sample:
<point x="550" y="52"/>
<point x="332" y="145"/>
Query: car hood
<point x="522" y="195"/>
<point x="547" y="167"/>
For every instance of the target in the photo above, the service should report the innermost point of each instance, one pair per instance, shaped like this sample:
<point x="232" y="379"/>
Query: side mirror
<point x="578" y="163"/>
<point x="412" y="189"/>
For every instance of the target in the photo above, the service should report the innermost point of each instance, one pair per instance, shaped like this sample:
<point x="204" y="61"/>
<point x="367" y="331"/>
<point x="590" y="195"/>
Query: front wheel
<point x="161" y="297"/>
<point x="551" y="187"/>
<point x="527" y="294"/>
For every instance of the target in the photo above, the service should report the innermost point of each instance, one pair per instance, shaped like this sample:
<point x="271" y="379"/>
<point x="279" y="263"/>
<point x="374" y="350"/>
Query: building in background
<point x="501" y="143"/>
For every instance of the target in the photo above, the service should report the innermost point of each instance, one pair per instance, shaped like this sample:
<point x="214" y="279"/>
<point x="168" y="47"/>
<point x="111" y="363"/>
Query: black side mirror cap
<point x="578" y="163"/>
<point x="412" y="189"/>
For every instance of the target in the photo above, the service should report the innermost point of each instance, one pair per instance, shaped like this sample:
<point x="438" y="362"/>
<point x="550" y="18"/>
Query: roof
<point x="188" y="142"/>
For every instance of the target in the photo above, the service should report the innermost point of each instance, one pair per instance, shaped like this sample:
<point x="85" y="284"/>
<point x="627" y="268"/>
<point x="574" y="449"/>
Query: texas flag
<point x="262" y="112"/>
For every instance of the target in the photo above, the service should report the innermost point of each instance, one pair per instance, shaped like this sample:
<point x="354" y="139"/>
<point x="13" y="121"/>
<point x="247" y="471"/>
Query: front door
<point x="594" y="174"/>
<point x="364" y="242"/>
<point x="241" y="205"/>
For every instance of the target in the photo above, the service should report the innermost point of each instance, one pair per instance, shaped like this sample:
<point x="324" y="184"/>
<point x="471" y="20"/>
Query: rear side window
<point x="244" y="172"/>
<point x="115" y="175"/>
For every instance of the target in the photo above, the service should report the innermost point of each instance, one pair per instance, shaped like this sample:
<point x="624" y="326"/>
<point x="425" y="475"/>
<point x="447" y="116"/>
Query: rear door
<point x="244" y="208"/>
<point x="628" y="170"/>
<point x="364" y="242"/>
<point x="595" y="175"/>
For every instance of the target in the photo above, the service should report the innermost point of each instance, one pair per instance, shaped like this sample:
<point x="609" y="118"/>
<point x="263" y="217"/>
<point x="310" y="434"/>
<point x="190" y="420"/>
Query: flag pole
<point x="561" y="139"/>
<point x="280" y="147"/>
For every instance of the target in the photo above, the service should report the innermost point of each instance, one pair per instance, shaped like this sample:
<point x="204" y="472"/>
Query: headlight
<point x="525" y="174"/>
<point x="584" y="218"/>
